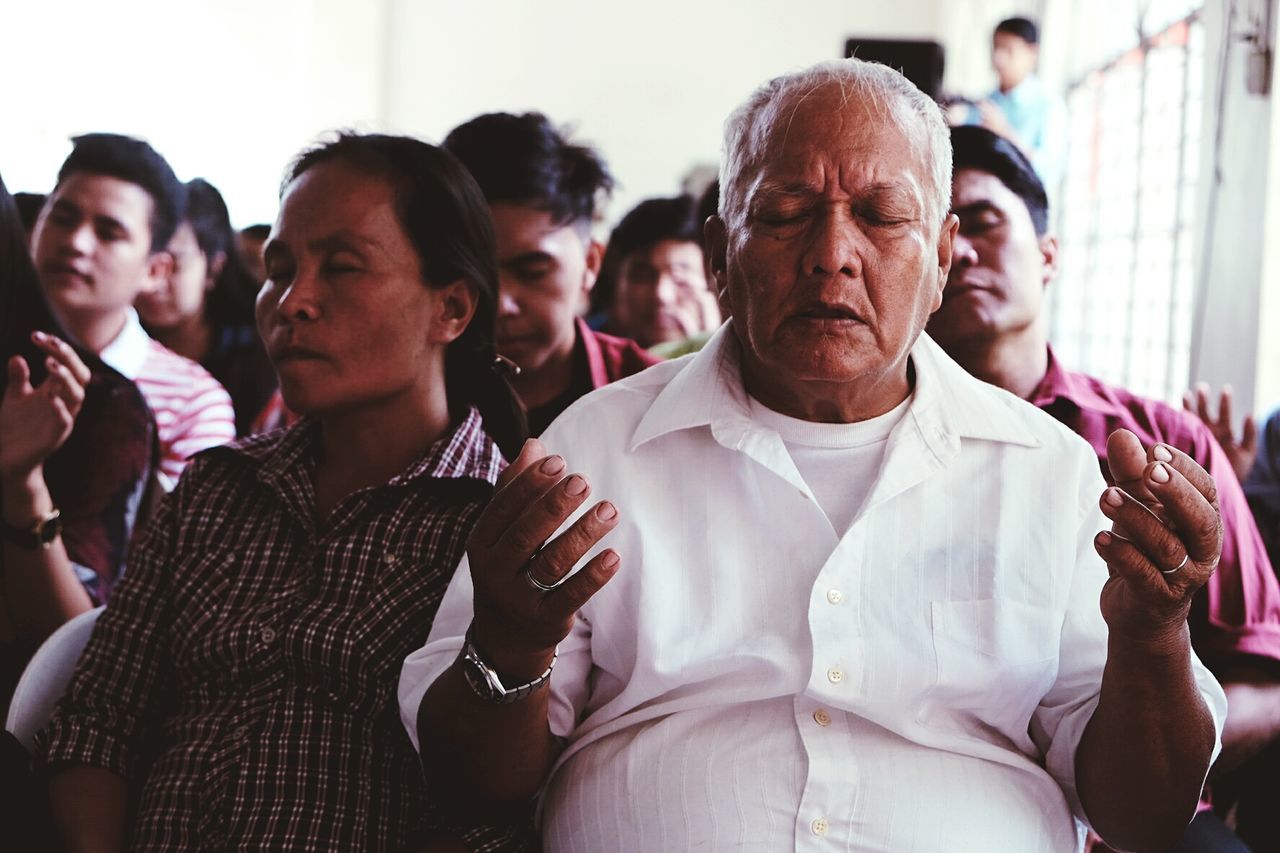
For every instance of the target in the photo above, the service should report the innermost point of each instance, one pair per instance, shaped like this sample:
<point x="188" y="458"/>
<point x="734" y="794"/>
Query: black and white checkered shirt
<point x="244" y="676"/>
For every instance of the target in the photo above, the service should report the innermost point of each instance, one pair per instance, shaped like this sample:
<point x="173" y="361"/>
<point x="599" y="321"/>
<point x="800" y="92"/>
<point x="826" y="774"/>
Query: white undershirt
<point x="839" y="462"/>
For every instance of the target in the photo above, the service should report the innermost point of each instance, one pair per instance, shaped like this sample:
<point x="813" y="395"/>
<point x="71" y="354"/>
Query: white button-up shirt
<point x="750" y="680"/>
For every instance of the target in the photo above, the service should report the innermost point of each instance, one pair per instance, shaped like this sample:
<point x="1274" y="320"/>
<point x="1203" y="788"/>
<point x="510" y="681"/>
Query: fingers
<point x="1224" y="409"/>
<point x="1126" y="561"/>
<point x="1189" y="498"/>
<point x="1146" y="548"/>
<point x="531" y="482"/>
<point x="64" y="354"/>
<point x="530" y="452"/>
<point x="1249" y="435"/>
<point x="63" y="386"/>
<point x="568" y="598"/>
<point x="19" y="379"/>
<point x="1127" y="461"/>
<point x="561" y="554"/>
<point x="542" y="517"/>
<point x="1197" y="401"/>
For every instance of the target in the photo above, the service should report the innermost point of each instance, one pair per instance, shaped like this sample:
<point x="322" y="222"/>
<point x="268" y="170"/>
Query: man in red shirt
<point x="992" y="321"/>
<point x="542" y="192"/>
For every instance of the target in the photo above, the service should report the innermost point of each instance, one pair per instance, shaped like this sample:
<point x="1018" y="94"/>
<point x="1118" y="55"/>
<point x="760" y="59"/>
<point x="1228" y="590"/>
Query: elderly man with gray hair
<point x="848" y="597"/>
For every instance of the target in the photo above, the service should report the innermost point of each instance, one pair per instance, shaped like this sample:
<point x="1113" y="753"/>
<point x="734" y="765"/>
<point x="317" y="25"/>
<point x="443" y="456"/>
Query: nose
<point x="298" y="301"/>
<point x="833" y="246"/>
<point x="668" y="290"/>
<point x="507" y="305"/>
<point x="80" y="240"/>
<point x="963" y="252"/>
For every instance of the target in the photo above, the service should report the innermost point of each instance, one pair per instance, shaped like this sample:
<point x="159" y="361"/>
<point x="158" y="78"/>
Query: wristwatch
<point x="38" y="535"/>
<point x="485" y="682"/>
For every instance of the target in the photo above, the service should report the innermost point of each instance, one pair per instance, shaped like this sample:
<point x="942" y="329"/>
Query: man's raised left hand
<point x="1164" y="543"/>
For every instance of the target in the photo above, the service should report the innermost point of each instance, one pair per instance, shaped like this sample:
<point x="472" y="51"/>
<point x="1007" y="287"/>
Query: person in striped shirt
<point x="100" y="242"/>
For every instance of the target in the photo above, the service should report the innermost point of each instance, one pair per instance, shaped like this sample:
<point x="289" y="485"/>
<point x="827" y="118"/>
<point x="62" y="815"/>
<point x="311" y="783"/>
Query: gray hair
<point x="747" y="130"/>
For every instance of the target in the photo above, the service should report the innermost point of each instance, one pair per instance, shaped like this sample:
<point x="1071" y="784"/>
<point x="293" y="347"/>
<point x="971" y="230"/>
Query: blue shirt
<point x="1039" y="119"/>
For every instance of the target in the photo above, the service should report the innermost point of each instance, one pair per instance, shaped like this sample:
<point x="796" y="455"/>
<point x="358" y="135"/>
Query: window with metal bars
<point x="1121" y="305"/>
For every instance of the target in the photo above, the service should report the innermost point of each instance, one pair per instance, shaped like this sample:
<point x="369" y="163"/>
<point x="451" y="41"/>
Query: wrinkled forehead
<point x="830" y="136"/>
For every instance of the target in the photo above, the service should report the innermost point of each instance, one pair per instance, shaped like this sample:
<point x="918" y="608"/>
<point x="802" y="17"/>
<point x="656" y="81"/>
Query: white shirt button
<point x="390" y="559"/>
<point x="819" y="826"/>
<point x="835" y="675"/>
<point x="835" y="596"/>
<point x="821" y="717"/>
<point x="267" y="635"/>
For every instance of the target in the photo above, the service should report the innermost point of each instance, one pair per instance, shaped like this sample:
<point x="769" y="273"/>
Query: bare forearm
<point x="475" y="750"/>
<point x="41" y="588"/>
<point x="1143" y="757"/>
<point x="89" y="806"/>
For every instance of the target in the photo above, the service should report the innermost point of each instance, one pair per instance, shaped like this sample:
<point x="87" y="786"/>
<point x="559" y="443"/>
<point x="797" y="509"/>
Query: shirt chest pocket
<point x="995" y="659"/>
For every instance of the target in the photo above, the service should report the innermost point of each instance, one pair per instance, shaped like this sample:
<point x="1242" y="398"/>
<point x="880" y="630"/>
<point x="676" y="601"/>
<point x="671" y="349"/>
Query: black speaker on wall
<point x="920" y="62"/>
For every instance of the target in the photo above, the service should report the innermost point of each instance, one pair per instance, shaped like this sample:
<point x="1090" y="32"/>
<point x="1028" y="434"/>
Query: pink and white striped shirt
<point x="192" y="410"/>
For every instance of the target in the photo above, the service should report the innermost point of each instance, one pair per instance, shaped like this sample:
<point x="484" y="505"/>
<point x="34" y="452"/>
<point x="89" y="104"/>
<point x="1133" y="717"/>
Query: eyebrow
<point x="527" y="258"/>
<point x="974" y="207"/>
<point x="880" y="191"/>
<point x="341" y="239"/>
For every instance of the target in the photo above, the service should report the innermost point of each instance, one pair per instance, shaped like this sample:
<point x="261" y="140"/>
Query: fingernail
<point x="575" y="485"/>
<point x="1104" y="538"/>
<point x="552" y="465"/>
<point x="1160" y="473"/>
<point x="1162" y="453"/>
<point x="606" y="511"/>
<point x="610" y="559"/>
<point x="1112" y="497"/>
<point x="37" y="336"/>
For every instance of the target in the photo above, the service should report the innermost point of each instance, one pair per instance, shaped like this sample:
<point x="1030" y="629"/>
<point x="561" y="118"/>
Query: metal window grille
<point x="1121" y="305"/>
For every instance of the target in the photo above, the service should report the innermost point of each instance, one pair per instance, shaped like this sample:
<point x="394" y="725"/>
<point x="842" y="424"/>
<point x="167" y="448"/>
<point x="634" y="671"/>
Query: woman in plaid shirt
<point x="240" y="691"/>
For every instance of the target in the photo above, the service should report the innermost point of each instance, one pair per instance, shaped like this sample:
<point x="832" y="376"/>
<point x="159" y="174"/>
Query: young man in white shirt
<point x="100" y="241"/>
<point x="758" y="660"/>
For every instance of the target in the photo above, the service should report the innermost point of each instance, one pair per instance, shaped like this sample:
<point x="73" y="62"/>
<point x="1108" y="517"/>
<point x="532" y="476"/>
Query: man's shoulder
<point x="610" y="413"/>
<point x="166" y="371"/>
<point x="622" y="356"/>
<point x="1155" y="420"/>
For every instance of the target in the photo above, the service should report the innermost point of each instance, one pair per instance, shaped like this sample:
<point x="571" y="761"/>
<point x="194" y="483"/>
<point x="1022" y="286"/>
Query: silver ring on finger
<point x="1175" y="569"/>
<point x="539" y="585"/>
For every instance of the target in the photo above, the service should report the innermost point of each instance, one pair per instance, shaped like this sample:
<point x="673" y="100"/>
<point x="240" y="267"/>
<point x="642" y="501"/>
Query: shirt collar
<point x="465" y="453"/>
<point x="1075" y="388"/>
<point x="596" y="367"/>
<point x="127" y="352"/>
<point x="1027" y="89"/>
<point x="947" y="404"/>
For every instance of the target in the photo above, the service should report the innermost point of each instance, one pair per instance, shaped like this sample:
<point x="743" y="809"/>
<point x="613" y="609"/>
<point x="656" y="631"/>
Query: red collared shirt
<point x="598" y="359"/>
<point x="1238" y="611"/>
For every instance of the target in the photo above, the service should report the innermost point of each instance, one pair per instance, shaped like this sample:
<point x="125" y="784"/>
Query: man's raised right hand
<point x="517" y="626"/>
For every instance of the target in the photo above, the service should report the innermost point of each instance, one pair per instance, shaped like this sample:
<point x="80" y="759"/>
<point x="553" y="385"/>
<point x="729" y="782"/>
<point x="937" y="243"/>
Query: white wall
<point x="650" y="83"/>
<point x="231" y="89"/>
<point x="226" y="89"/>
<point x="1239" y="319"/>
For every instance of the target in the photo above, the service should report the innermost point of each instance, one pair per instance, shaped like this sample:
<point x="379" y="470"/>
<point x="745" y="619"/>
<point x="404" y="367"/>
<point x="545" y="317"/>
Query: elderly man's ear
<point x="946" y="248"/>
<point x="715" y="238"/>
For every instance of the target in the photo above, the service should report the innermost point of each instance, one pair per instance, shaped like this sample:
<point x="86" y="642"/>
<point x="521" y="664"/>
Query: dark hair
<point x="128" y="159"/>
<point x="29" y="206"/>
<point x="257" y="231"/>
<point x="444" y="215"/>
<point x="649" y="222"/>
<point x="1023" y="28"/>
<point x="230" y="301"/>
<point x="525" y="160"/>
<point x="22" y="305"/>
<point x="975" y="147"/>
<point x="709" y="202"/>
